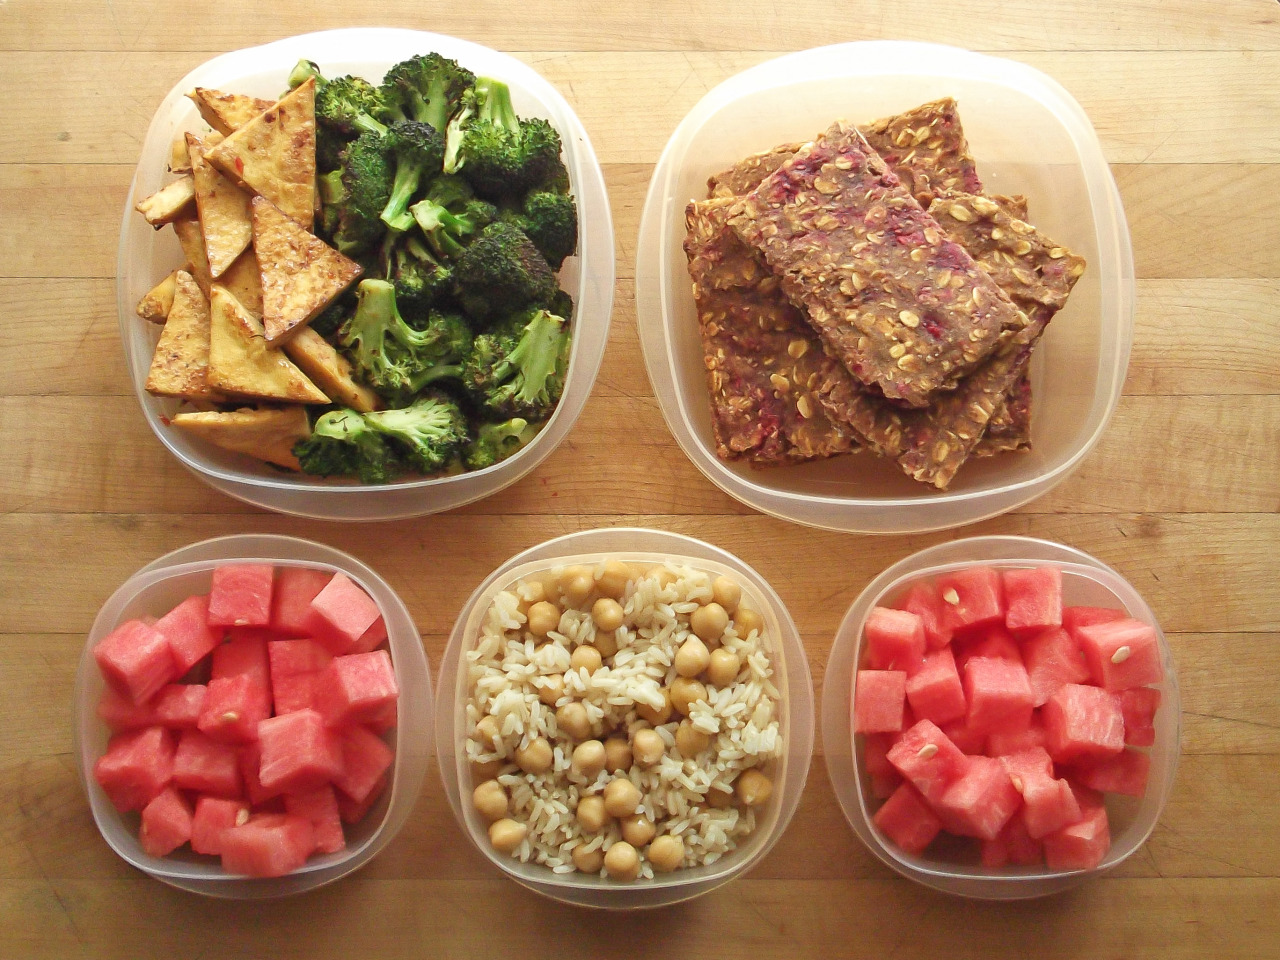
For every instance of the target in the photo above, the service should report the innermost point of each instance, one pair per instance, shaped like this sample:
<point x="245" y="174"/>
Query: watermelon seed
<point x="229" y="717"/>
<point x="927" y="751"/>
<point x="1017" y="783"/>
<point x="951" y="596"/>
<point x="1121" y="655"/>
<point x="242" y="816"/>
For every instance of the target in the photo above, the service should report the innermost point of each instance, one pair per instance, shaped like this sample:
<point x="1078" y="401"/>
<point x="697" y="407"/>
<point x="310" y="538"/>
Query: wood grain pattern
<point x="1181" y="495"/>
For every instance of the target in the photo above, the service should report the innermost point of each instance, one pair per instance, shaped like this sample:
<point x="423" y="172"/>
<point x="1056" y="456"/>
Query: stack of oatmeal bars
<point x="860" y="291"/>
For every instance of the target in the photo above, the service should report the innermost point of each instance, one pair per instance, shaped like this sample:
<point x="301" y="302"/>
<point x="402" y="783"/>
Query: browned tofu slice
<point x="226" y="112"/>
<point x="301" y="274"/>
<point x="224" y="211"/>
<point x="241" y="363"/>
<point x="169" y="202"/>
<point x="329" y="370"/>
<point x="243" y="280"/>
<point x="274" y="154"/>
<point x="266" y="434"/>
<point x="191" y="239"/>
<point x="180" y="365"/>
<point x="158" y="301"/>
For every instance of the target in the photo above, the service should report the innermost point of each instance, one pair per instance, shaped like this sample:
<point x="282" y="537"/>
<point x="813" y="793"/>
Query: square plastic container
<point x="1086" y="581"/>
<point x="795" y="717"/>
<point x="147" y="255"/>
<point x="1028" y="136"/>
<point x="157" y="588"/>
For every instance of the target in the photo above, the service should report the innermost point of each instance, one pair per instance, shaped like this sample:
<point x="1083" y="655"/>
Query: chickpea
<point x="726" y="592"/>
<point x="723" y="668"/>
<point x="551" y="689"/>
<point x="490" y="799"/>
<point x="607" y="614"/>
<point x="647" y="747"/>
<point x="506" y="835"/>
<point x="544" y="616"/>
<point x="576" y="583"/>
<point x="666" y="853"/>
<point x="622" y="861"/>
<point x="617" y="755"/>
<point x="718" y="799"/>
<point x="684" y="692"/>
<point x="534" y="591"/>
<point x="637" y="830"/>
<point x="487" y="733"/>
<point x="588" y="861"/>
<point x="709" y="621"/>
<point x="691" y="741"/>
<point x="589" y="758"/>
<point x="535" y="757"/>
<point x="661" y="575"/>
<point x="488" y="770"/>
<point x="754" y="787"/>
<point x="613" y="581"/>
<point x="747" y="620"/>
<point x="692" y="658"/>
<point x="657" y="716"/>
<point x="572" y="719"/>
<point x="585" y="657"/>
<point x="621" y="797"/>
<point x="591" y="813"/>
<point x="606" y="643"/>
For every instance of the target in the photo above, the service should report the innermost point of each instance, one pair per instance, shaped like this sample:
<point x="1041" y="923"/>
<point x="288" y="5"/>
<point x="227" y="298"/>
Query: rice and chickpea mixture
<point x="622" y="718"/>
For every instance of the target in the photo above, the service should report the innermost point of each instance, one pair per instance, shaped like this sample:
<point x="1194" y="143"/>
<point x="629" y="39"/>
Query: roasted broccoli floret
<point x="500" y="154"/>
<point x="419" y="150"/>
<point x="368" y="173"/>
<point x="448" y="232"/>
<point x="500" y="272"/>
<point x="303" y="71"/>
<point x="349" y="106"/>
<point x="550" y="220"/>
<point x="427" y="88"/>
<point x="428" y="434"/>
<point x="494" y="442"/>
<point x="518" y="369"/>
<point x="342" y="444"/>
<point x="420" y="279"/>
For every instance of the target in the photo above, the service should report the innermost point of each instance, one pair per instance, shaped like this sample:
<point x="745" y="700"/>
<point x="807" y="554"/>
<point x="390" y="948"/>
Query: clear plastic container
<point x="1086" y="581"/>
<point x="147" y="255"/>
<point x="1029" y="136"/>
<point x="157" y="588"/>
<point x="795" y="716"/>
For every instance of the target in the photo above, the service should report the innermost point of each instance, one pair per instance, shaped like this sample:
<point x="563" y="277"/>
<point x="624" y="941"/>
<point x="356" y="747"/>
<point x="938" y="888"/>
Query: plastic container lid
<point x="795" y="716"/>
<point x="157" y="588"/>
<point x="1086" y="582"/>
<point x="147" y="255"/>
<point x="1029" y="136"/>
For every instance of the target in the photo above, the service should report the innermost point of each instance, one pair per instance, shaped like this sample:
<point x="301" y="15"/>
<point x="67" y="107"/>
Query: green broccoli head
<point x="420" y="279"/>
<point x="500" y="154"/>
<point x="428" y="434"/>
<point x="428" y="88"/>
<point x="495" y="442"/>
<point x="502" y="272"/>
<point x="349" y="106"/>
<point x="303" y="71"/>
<point x="550" y="220"/>
<point x="419" y="150"/>
<point x="518" y="369"/>
<point x="368" y="173"/>
<point x="342" y="444"/>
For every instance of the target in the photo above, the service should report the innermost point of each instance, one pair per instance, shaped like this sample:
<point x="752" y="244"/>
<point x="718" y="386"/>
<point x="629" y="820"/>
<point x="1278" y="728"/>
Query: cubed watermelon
<point x="1048" y="805"/>
<point x="178" y="705"/>
<point x="234" y="707"/>
<point x="243" y="655"/>
<point x="882" y="785"/>
<point x="136" y="767"/>
<point x="250" y="757"/>
<point x="924" y="601"/>
<point x="926" y="757"/>
<point x="1126" y="773"/>
<point x="1121" y="654"/>
<point x="296" y="666"/>
<point x="970" y="742"/>
<point x="353" y="811"/>
<point x="1020" y="848"/>
<point x="894" y="640"/>
<point x="120" y="713"/>
<point x="875" y="749"/>
<point x="877" y="701"/>
<point x="1073" y="617"/>
<point x="206" y="765"/>
<point x="993" y="642"/>
<point x="1003" y="742"/>
<point x="1138" y="706"/>
<point x="1080" y="846"/>
<point x="212" y="816"/>
<point x="166" y="823"/>
<point x="372" y="638"/>
<point x="1083" y="722"/>
<point x="1033" y="598"/>
<point x="1052" y="658"/>
<point x="356" y="687"/>
<point x="1025" y="765"/>
<point x="240" y="595"/>
<point x="971" y="598"/>
<point x="189" y="633"/>
<point x="298" y="752"/>
<point x="135" y="659"/>
<point x="295" y="588"/>
<point x="347" y="610"/>
<point x="906" y="819"/>
<point x="998" y="693"/>
<point x="980" y="801"/>
<point x="320" y="806"/>
<point x="269" y="845"/>
<point x="935" y="691"/>
<point x="365" y="758"/>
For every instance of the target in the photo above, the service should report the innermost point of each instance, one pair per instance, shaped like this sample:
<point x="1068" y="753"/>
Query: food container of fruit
<point x="594" y="747"/>
<point x="1028" y="137"/>
<point x="362" y="782"/>
<point x="147" y="255"/>
<point x="1109" y="714"/>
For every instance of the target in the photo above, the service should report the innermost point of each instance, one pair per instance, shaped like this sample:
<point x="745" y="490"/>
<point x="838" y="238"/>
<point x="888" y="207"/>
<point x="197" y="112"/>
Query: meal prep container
<point x="1028" y="136"/>
<point x="1086" y="581"/>
<point x="795" y="715"/>
<point x="147" y="255"/>
<point x="157" y="588"/>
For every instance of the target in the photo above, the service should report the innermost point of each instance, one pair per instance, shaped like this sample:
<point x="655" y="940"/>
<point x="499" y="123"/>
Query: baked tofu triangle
<point x="267" y="434"/>
<point x="224" y="211"/>
<point x="180" y="366"/>
<point x="241" y="363"/>
<point x="274" y="154"/>
<point x="301" y="274"/>
<point x="226" y="112"/>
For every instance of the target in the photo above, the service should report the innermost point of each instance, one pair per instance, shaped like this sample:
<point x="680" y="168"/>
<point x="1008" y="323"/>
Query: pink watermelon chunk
<point x="269" y="845"/>
<point x="298" y="752"/>
<point x="980" y="802"/>
<point x="1073" y="617"/>
<point x="1052" y="658"/>
<point x="356" y="687"/>
<point x="250" y="762"/>
<point x="296" y="666"/>
<point x="1026" y="765"/>
<point x="240" y="595"/>
<point x="243" y="655"/>
<point x="347" y="610"/>
<point x="166" y="823"/>
<point x="372" y="638"/>
<point x="206" y="766"/>
<point x="135" y="659"/>
<point x="136" y="767"/>
<point x="971" y="598"/>
<point x="212" y="816"/>
<point x="924" y="601"/>
<point x="365" y="758"/>
<point x="998" y="693"/>
<point x="1139" y="706"/>
<point x="994" y="643"/>
<point x="1004" y="742"/>
<point x="1080" y="846"/>
<point x="1126" y="773"/>
<point x="1082" y="723"/>
<point x="935" y="691"/>
<point x="1033" y="598"/>
<point x="178" y="705"/>
<point x="1048" y="806"/>
<point x="187" y="629"/>
<point x="295" y="588"/>
<point x="353" y="811"/>
<point x="894" y="640"/>
<point x="120" y="713"/>
<point x="926" y="757"/>
<point x="969" y="741"/>
<point x="877" y="701"/>
<point x="320" y="806"/>
<point x="1121" y="654"/>
<point x="234" y="707"/>
<point x="1016" y="845"/>
<point x="907" y="820"/>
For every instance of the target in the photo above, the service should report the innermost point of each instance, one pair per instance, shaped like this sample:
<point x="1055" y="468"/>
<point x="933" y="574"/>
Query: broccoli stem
<point x="495" y="104"/>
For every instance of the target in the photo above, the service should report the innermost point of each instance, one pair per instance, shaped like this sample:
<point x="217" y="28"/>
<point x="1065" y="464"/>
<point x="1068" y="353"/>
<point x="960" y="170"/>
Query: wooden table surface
<point x="1181" y="494"/>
